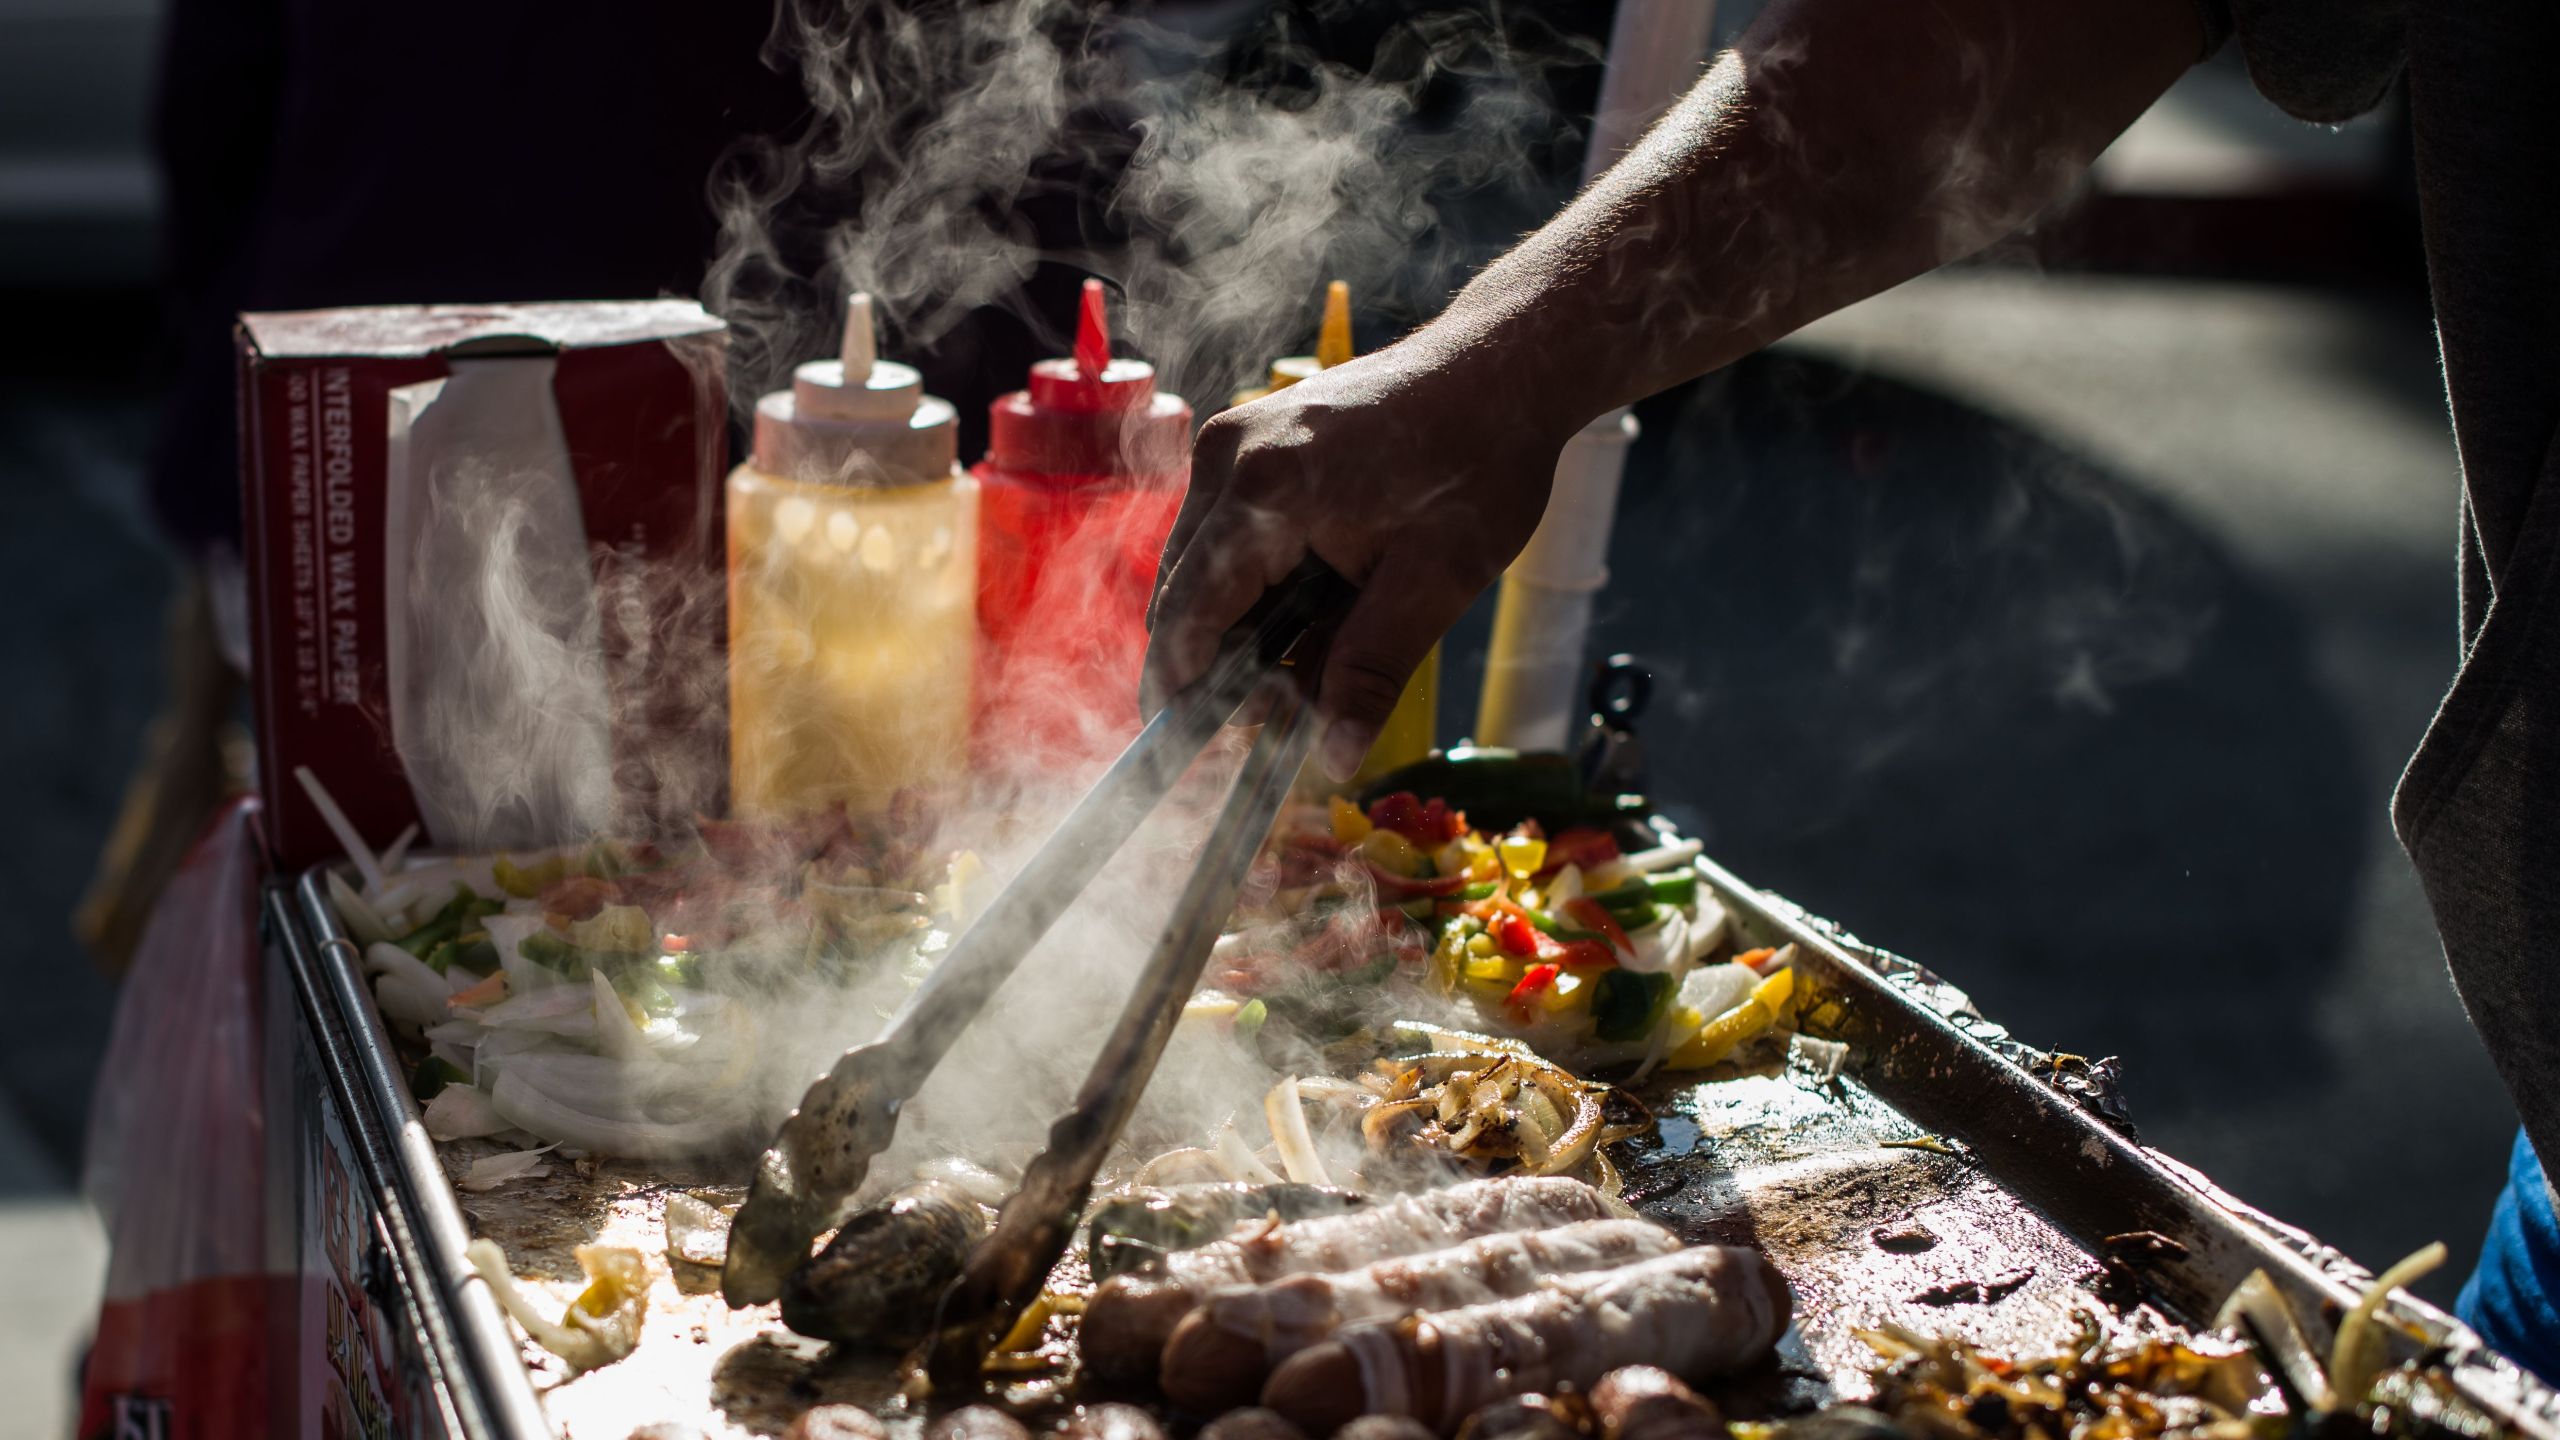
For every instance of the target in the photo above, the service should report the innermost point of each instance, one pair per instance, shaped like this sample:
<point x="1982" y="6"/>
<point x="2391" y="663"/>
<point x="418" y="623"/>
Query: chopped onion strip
<point x="459" y="1112"/>
<point x="363" y="921"/>
<point x="1664" y="857"/>
<point x="336" y="819"/>
<point x="1288" y="1117"/>
<point x="1238" y="1158"/>
<point x="2356" y="1357"/>
<point x="532" y="1110"/>
<point x="398" y="850"/>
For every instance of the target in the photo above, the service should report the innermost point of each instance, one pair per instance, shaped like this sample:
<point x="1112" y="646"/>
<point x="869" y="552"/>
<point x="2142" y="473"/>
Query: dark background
<point x="2061" y="621"/>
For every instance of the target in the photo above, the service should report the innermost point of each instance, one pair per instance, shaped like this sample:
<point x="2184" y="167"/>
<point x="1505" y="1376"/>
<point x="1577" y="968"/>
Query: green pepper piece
<point x="434" y="1073"/>
<point x="546" y="948"/>
<point x="474" y="952"/>
<point x="1674" y="887"/>
<point x="1630" y="900"/>
<point x="1627" y="1004"/>
<point x="1481" y="890"/>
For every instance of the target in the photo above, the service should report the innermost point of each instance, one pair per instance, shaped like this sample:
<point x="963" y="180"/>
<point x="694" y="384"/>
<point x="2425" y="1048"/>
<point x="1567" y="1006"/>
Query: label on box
<point x="484" y="568"/>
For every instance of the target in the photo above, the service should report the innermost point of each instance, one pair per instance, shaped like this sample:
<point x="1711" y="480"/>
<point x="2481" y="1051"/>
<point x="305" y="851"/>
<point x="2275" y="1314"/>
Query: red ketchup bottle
<point x="1084" y="471"/>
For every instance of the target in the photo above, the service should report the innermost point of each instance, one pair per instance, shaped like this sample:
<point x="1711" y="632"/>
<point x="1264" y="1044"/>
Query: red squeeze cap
<point x="1090" y="416"/>
<point x="1092" y="381"/>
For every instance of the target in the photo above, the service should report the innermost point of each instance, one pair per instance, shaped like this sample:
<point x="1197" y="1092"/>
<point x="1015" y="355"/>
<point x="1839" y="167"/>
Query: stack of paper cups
<point x="1533" y="672"/>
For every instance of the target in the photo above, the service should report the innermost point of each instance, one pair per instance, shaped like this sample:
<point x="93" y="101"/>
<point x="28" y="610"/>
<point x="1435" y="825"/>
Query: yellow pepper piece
<point x="1450" y="859"/>
<point x="526" y="881"/>
<point x="1569" y="992"/>
<point x="1522" y="855"/>
<point x="1490" y="993"/>
<point x="1776" y="990"/>
<point x="1482" y="863"/>
<point x="1481" y="944"/>
<point x="1723" y="1035"/>
<point x="1393" y="853"/>
<point x="1350" y="826"/>
<point x="1494" y="967"/>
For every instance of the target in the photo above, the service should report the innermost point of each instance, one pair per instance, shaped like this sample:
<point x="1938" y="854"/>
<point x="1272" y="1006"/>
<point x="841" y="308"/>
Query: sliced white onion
<point x="1238" y="1158"/>
<point x="1288" y="1117"/>
<point x="1664" y="857"/>
<point x="560" y="1010"/>
<point x="1660" y="948"/>
<point x="395" y="853"/>
<point x="1707" y="927"/>
<point x="698" y="1231"/>
<point x="391" y="960"/>
<point x="528" y="1107"/>
<point x="460" y="1112"/>
<point x="1711" y="990"/>
<point x="362" y="920"/>
<point x="617" y="1034"/>
<point x="336" y="819"/>
<point x="405" y="1002"/>
<point x="491" y="1171"/>
<point x="507" y="934"/>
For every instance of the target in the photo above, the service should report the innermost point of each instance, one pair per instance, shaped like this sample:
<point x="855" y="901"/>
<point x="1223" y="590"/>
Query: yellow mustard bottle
<point x="853" y="589"/>
<point x="1407" y="735"/>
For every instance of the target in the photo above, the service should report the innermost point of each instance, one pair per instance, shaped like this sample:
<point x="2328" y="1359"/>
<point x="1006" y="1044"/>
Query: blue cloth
<point x="2513" y="1299"/>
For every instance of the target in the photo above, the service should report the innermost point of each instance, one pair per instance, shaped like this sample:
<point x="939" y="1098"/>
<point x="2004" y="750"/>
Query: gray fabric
<point x="2479" y="807"/>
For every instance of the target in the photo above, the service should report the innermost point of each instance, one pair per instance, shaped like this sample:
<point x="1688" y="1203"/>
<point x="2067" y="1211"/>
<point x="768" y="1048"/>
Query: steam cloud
<point x="1239" y="191"/>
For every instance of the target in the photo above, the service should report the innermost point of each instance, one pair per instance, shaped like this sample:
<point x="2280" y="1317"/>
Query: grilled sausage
<point x="1180" y="1217"/>
<point x="1645" y="1402"/>
<point x="977" y="1422"/>
<point x="1130" y="1318"/>
<point x="1383" y="1427"/>
<point x="1251" y="1423"/>
<point x="1517" y="1417"/>
<point x="1112" y="1422"/>
<point x="1694" y="1312"/>
<point x="878" y="1279"/>
<point x="836" y="1422"/>
<point x="1223" y="1351"/>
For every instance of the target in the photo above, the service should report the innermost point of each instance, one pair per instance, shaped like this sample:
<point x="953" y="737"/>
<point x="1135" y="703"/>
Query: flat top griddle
<point x="1939" y="1123"/>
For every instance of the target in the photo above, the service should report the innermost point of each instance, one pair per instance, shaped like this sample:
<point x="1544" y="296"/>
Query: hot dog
<point x="1695" y="1312"/>
<point x="1223" y="1351"/>
<point x="1641" y="1402"/>
<point x="1130" y="1318"/>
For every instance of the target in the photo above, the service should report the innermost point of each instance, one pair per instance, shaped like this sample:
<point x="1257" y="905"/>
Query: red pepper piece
<point x="1535" y="979"/>
<point x="1592" y="915"/>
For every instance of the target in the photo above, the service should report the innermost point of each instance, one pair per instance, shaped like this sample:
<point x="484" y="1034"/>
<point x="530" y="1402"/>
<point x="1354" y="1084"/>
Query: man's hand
<point x="1838" y="149"/>
<point x="1414" y="479"/>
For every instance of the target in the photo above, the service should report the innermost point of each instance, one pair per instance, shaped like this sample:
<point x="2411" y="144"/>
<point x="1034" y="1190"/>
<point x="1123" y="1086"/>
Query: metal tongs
<point x="804" y="1184"/>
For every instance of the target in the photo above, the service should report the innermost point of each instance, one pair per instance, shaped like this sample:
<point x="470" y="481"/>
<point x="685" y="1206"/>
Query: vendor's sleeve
<point x="2320" y="60"/>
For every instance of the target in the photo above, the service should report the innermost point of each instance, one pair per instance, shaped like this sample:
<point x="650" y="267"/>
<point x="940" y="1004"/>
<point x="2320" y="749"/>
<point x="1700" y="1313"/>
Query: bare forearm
<point x="1840" y="148"/>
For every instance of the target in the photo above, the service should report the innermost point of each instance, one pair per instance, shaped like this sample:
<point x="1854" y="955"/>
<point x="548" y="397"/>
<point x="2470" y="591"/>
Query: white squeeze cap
<point x="857" y="387"/>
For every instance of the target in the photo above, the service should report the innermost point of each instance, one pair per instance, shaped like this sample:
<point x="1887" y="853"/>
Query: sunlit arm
<point x="1841" y="147"/>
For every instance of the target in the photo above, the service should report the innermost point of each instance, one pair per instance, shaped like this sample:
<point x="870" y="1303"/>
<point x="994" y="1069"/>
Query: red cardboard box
<point x="484" y="568"/>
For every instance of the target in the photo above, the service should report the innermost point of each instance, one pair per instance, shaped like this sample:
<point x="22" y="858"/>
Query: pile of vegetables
<point x="598" y="996"/>
<point x="1589" y="954"/>
<point x="2253" y="1378"/>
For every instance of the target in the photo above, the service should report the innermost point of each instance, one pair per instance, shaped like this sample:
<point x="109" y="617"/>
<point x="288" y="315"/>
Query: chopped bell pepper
<point x="1350" y="826"/>
<point x="1513" y="932"/>
<point x="1595" y="916"/>
<point x="1535" y="979"/>
<point x="1522" y="855"/>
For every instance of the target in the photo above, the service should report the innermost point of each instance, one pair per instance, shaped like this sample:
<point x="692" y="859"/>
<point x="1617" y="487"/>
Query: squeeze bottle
<point x="1084" y="473"/>
<point x="853" y="555"/>
<point x="1407" y="735"/>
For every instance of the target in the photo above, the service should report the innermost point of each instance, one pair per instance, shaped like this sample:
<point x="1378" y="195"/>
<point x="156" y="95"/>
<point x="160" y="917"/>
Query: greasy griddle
<point x="1802" y="1166"/>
